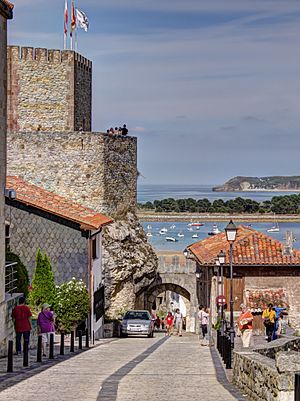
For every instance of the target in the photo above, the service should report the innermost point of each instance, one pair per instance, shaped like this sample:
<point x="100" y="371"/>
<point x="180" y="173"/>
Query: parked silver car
<point x="137" y="322"/>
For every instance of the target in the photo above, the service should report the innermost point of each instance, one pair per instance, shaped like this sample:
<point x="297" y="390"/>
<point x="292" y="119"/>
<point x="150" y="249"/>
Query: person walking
<point x="178" y="320"/>
<point x="45" y="324"/>
<point x="203" y="324"/>
<point x="169" y="323"/>
<point x="21" y="315"/>
<point x="269" y="317"/>
<point x="245" y="326"/>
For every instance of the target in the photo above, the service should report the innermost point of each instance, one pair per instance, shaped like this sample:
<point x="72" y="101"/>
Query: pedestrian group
<point x="117" y="131"/>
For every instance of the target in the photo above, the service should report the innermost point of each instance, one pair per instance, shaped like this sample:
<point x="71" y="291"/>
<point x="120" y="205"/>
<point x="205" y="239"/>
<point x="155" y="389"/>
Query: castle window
<point x="7" y="235"/>
<point x="95" y="247"/>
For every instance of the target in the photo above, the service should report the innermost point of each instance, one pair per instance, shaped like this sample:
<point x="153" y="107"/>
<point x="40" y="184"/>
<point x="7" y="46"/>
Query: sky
<point x="211" y="88"/>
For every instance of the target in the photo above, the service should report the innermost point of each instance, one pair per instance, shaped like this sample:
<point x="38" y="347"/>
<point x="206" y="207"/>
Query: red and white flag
<point x="65" y="24"/>
<point x="73" y="19"/>
<point x="66" y="17"/>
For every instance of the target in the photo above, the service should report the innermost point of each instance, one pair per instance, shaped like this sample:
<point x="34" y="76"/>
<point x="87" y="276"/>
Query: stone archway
<point x="174" y="274"/>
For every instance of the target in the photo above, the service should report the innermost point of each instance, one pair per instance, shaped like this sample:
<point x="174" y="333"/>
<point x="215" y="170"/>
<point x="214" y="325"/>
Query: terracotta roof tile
<point x="50" y="202"/>
<point x="250" y="248"/>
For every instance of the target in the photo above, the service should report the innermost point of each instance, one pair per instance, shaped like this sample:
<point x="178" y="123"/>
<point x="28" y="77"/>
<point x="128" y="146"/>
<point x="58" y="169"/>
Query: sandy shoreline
<point x="148" y="216"/>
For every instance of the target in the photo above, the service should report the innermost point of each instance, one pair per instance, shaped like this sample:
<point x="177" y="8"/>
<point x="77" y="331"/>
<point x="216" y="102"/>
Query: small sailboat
<point x="164" y="229"/>
<point x="162" y="232"/>
<point x="190" y="229"/>
<point x="172" y="227"/>
<point x="149" y="235"/>
<point x="149" y="227"/>
<point x="180" y="235"/>
<point x="214" y="230"/>
<point x="274" y="228"/>
<point x="171" y="239"/>
<point x="195" y="236"/>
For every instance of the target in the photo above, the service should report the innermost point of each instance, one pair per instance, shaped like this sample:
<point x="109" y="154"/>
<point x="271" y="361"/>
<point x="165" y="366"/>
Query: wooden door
<point x="238" y="292"/>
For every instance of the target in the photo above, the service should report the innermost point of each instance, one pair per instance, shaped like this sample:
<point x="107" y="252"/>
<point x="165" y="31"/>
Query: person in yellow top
<point x="269" y="317"/>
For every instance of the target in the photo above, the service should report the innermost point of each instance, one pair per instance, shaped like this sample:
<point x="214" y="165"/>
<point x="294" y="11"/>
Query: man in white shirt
<point x="178" y="320"/>
<point x="203" y="324"/>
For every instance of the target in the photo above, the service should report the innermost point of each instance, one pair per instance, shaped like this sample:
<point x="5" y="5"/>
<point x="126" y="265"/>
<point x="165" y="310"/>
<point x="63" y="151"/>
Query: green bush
<point x="21" y="274"/>
<point x="72" y="304"/>
<point x="43" y="287"/>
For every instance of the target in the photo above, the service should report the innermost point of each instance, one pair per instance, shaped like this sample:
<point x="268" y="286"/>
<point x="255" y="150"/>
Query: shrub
<point x="43" y="287"/>
<point x="21" y="274"/>
<point x="72" y="304"/>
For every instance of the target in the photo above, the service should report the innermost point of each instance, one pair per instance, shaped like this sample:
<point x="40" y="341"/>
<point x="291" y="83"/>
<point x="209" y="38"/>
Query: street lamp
<point x="231" y="231"/>
<point x="221" y="260"/>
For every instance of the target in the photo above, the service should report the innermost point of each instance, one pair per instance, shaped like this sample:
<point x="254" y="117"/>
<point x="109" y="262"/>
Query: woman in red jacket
<point x="169" y="323"/>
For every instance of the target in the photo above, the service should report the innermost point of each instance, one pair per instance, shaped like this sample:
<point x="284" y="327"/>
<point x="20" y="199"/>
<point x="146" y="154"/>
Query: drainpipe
<point x="91" y="286"/>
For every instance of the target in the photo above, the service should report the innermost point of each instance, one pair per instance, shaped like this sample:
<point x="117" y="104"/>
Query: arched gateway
<point x="176" y="274"/>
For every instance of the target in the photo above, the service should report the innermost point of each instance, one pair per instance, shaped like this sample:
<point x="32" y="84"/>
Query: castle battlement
<point x="48" y="90"/>
<point x="48" y="56"/>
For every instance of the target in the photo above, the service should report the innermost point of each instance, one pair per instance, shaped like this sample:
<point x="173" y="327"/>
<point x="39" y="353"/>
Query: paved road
<point x="135" y="369"/>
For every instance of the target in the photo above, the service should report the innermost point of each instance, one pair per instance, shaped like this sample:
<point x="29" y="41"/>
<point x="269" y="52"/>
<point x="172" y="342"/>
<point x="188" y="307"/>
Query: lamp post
<point x="231" y="231"/>
<point x="221" y="259"/>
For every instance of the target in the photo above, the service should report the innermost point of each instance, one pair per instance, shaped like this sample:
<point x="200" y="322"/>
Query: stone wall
<point x="67" y="249"/>
<point x="48" y="90"/>
<point x="3" y="85"/>
<point x="93" y="169"/>
<point x="291" y="287"/>
<point x="98" y="171"/>
<point x="264" y="378"/>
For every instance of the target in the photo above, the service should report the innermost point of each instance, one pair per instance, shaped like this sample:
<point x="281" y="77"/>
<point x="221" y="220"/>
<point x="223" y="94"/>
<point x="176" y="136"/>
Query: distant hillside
<point x="276" y="183"/>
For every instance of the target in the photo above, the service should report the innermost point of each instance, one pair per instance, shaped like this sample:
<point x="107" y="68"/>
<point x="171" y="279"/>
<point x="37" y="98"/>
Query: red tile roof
<point x="57" y="205"/>
<point x="251" y="247"/>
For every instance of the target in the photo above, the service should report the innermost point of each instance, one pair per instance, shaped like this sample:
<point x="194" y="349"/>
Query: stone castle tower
<point x="48" y="90"/>
<point x="49" y="100"/>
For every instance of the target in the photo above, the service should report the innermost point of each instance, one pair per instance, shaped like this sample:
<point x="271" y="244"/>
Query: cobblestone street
<point x="135" y="369"/>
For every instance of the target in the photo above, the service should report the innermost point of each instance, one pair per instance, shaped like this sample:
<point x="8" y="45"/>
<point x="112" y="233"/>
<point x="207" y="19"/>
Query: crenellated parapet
<point x="48" y="90"/>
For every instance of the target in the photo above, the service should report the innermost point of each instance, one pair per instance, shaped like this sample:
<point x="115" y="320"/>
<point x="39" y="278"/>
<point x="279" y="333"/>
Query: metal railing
<point x="10" y="277"/>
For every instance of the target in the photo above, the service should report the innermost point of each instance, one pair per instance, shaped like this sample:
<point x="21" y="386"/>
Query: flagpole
<point x="76" y="39"/>
<point x="65" y="24"/>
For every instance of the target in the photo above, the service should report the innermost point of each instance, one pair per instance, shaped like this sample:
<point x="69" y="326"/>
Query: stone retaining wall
<point x="266" y="378"/>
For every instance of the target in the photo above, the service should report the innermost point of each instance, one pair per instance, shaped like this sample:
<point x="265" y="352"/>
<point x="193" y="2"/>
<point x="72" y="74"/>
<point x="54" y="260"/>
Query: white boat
<point x="171" y="239"/>
<point x="214" y="230"/>
<point x="195" y="236"/>
<point x="149" y="227"/>
<point x="149" y="235"/>
<point x="180" y="235"/>
<point x="164" y="229"/>
<point x="172" y="227"/>
<point x="274" y="229"/>
<point x="162" y="232"/>
<point x="196" y="224"/>
<point x="190" y="229"/>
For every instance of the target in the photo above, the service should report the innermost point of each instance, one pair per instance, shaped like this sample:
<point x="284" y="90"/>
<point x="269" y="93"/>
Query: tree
<point x="43" y="287"/>
<point x="72" y="304"/>
<point x="21" y="273"/>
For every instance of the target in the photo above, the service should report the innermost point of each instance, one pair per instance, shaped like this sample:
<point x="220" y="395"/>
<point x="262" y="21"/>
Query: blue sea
<point x="158" y="192"/>
<point x="152" y="192"/>
<point x="159" y="242"/>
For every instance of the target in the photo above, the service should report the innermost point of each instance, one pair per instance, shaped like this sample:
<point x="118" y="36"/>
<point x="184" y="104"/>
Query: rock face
<point x="100" y="172"/>
<point x="276" y="183"/>
<point x="130" y="263"/>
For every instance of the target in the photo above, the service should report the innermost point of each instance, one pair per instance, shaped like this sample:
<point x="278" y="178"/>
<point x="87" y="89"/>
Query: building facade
<point x="5" y="14"/>
<point x="69" y="233"/>
<point x="48" y="90"/>
<point x="264" y="270"/>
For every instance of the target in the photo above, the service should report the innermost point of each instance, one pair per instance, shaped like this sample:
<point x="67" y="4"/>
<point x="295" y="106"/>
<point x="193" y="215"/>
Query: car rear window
<point x="137" y="315"/>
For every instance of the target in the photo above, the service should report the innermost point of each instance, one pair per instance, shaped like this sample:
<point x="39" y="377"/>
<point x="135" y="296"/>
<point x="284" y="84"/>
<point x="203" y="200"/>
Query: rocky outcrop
<point x="129" y="263"/>
<point x="276" y="183"/>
